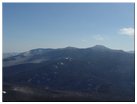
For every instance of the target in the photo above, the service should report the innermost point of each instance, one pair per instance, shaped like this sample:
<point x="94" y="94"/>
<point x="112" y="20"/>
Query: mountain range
<point x="70" y="74"/>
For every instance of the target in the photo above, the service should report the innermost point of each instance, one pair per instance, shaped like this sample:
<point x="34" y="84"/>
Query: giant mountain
<point x="70" y="74"/>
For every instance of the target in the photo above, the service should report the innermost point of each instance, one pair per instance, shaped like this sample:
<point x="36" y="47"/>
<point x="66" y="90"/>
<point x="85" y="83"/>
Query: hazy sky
<point x="28" y="26"/>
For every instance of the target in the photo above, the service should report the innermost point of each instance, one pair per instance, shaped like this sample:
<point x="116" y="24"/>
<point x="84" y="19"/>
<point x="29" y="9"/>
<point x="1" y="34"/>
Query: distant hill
<point x="98" y="73"/>
<point x="131" y="51"/>
<point x="6" y="55"/>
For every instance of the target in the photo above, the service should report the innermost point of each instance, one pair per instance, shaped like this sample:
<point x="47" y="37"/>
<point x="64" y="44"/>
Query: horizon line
<point x="69" y="47"/>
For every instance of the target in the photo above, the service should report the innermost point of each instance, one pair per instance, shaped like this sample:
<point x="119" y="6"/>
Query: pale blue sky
<point x="44" y="25"/>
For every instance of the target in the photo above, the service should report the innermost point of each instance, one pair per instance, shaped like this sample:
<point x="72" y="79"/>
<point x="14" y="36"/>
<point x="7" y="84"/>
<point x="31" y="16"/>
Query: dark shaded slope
<point x="30" y="93"/>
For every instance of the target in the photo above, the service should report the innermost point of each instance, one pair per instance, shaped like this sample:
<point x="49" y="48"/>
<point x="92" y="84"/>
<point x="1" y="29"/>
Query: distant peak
<point x="99" y="47"/>
<point x="69" y="47"/>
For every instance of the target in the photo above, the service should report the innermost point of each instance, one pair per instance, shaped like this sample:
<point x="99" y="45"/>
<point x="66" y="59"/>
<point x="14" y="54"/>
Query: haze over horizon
<point x="29" y="26"/>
